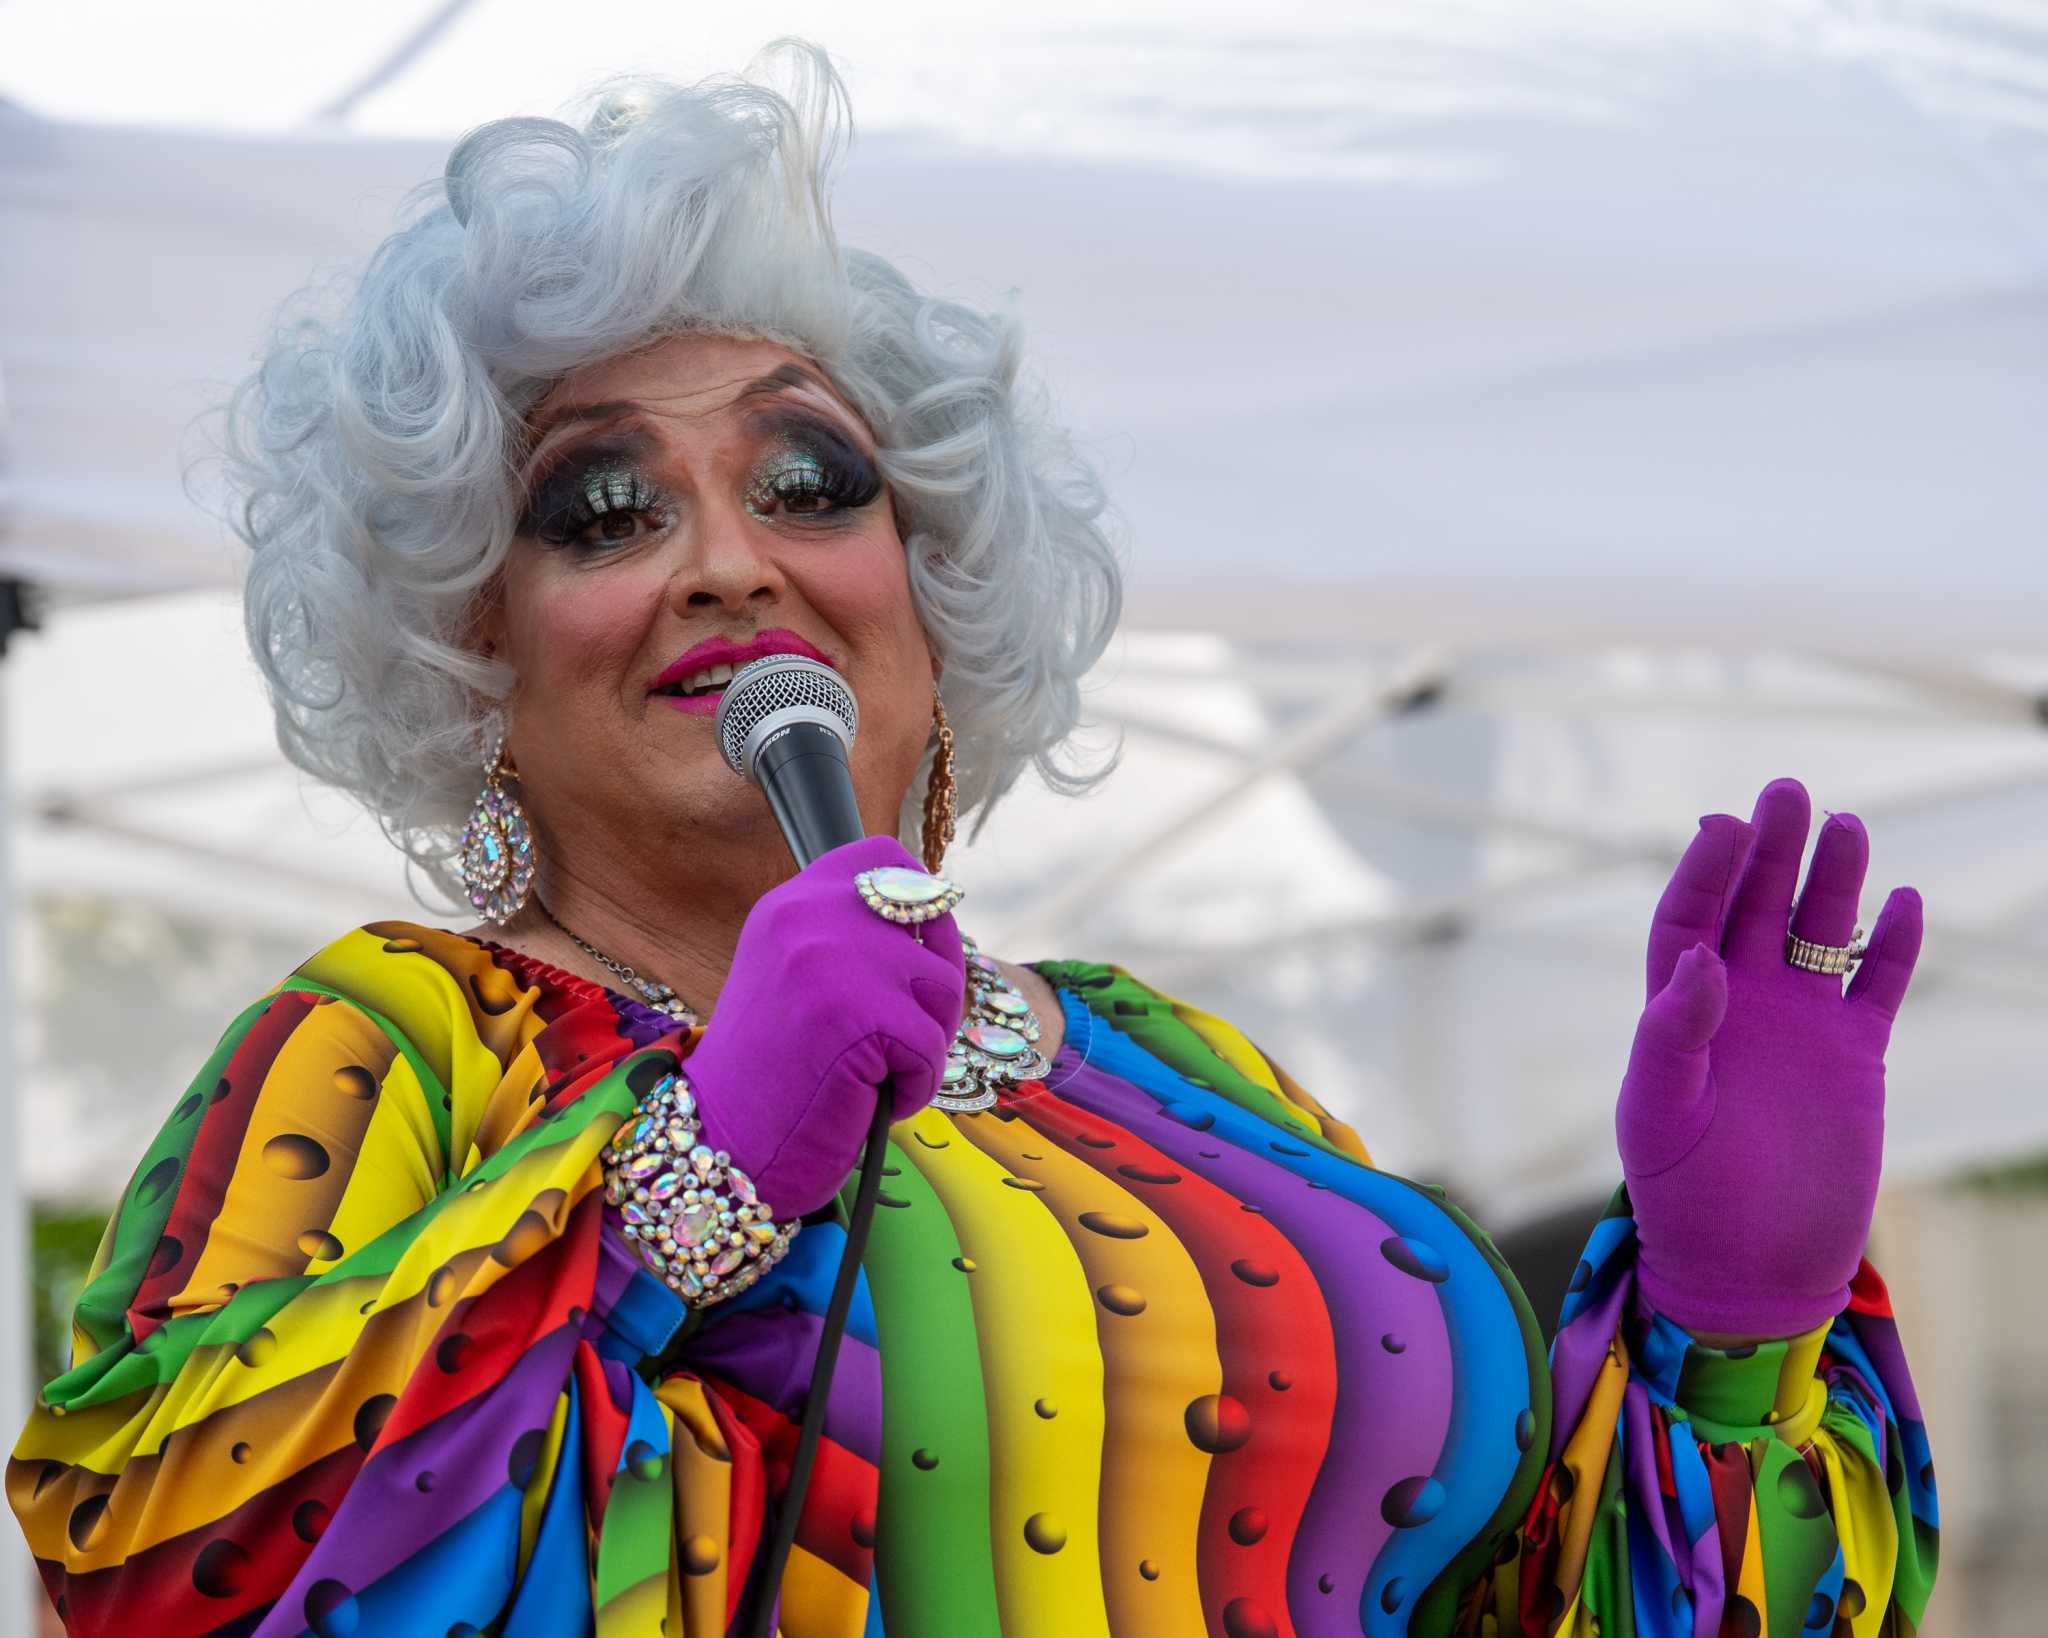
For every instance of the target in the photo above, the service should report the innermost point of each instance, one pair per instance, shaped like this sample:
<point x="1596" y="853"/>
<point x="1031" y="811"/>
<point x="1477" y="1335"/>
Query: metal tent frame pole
<point x="16" y="1582"/>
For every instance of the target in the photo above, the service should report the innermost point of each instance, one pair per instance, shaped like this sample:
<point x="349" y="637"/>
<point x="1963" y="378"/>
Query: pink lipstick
<point x="705" y="669"/>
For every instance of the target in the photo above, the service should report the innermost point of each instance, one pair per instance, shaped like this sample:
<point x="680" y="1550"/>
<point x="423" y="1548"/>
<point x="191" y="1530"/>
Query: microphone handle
<point x="804" y="773"/>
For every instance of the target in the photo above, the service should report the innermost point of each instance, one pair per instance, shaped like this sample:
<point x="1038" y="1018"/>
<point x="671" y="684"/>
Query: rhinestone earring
<point x="496" y="863"/>
<point x="938" y="791"/>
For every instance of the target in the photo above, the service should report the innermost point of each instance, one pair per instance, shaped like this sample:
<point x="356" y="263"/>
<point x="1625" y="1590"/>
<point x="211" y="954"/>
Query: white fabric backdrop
<point x="1649" y="378"/>
<point x="1511" y="322"/>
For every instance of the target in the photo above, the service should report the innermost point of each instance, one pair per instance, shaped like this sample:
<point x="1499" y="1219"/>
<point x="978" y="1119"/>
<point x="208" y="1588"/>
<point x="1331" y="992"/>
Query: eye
<point x="597" y="505"/>
<point x="812" y="475"/>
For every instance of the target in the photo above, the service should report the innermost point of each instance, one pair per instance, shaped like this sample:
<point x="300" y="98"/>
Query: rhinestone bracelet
<point x="689" y="1213"/>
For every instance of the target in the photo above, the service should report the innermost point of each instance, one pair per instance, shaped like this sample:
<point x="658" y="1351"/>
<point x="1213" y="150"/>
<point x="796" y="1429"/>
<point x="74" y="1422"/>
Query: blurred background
<point x="1535" y="423"/>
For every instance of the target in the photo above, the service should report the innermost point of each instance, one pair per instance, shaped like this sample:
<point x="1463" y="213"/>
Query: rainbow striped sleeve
<point x="348" y="1360"/>
<point x="1765" y="1491"/>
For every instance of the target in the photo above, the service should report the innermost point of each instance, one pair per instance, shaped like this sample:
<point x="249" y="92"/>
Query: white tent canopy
<point x="1553" y="420"/>
<point x="1657" y="322"/>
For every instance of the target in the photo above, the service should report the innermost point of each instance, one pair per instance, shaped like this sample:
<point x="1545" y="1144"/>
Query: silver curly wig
<point x="371" y="454"/>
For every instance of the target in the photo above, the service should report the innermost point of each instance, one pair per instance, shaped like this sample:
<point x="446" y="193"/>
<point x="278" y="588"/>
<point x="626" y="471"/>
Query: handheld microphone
<point x="786" y="723"/>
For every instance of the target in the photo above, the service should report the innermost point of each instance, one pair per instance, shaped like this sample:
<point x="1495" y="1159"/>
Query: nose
<point x="727" y="563"/>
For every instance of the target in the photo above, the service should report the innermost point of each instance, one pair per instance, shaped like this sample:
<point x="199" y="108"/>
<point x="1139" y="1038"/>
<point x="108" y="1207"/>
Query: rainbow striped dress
<point x="1150" y="1350"/>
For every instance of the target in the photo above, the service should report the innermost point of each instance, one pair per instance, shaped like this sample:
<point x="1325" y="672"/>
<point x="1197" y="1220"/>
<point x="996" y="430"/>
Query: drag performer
<point x="473" y="1284"/>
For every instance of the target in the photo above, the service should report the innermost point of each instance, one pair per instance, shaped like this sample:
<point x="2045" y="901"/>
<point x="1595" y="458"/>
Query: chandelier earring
<point x="938" y="791"/>
<point x="496" y="862"/>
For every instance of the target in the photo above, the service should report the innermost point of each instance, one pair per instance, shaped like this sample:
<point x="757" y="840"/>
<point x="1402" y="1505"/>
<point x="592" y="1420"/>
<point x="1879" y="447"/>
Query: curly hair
<point x="371" y="453"/>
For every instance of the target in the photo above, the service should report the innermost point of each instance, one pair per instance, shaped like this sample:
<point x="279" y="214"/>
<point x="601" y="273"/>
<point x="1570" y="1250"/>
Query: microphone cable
<point x="760" y="1621"/>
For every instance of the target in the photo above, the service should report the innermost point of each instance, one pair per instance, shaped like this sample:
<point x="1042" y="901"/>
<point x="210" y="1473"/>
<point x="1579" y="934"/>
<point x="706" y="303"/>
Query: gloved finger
<point x="1664" y="1108"/>
<point x="1696" y="899"/>
<point x="1762" y="910"/>
<point x="914" y="1059"/>
<point x="906" y="1099"/>
<point x="847" y="860"/>
<point x="1887" y="968"/>
<point x="940" y="971"/>
<point x="1826" y="912"/>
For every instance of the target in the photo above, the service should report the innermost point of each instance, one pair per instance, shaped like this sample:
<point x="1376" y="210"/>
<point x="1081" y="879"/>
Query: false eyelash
<point x="813" y="460"/>
<point x="576" y="497"/>
<point x="799" y="475"/>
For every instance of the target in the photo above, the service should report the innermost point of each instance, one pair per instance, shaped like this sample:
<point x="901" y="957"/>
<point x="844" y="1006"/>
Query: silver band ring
<point x="1832" y="959"/>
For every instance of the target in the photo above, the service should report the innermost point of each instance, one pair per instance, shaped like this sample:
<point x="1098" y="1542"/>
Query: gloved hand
<point x="824" y="1001"/>
<point x="1751" y="1119"/>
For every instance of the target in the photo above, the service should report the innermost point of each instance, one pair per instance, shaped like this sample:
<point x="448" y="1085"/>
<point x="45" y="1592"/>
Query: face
<point x="686" y="508"/>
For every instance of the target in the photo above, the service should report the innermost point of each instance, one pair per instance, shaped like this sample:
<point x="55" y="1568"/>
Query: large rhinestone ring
<point x="1832" y="959"/>
<point x="907" y="896"/>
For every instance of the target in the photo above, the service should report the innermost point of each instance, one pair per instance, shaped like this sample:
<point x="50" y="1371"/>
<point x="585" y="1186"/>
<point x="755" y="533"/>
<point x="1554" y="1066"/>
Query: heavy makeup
<point x="684" y="508"/>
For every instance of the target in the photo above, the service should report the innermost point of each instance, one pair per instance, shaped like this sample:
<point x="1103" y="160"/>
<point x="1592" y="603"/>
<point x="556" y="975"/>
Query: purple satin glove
<point x="1751" y="1119"/>
<point x="825" y="1000"/>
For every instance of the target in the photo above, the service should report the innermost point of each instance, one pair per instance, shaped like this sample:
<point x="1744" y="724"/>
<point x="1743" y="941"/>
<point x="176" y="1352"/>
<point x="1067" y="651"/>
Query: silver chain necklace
<point x="995" y="1046"/>
<point x="657" y="995"/>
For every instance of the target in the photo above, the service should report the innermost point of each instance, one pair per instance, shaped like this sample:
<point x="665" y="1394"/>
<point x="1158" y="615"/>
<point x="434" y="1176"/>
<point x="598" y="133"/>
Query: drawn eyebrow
<point x="801" y="423"/>
<point x="547" y="452"/>
<point x="785" y="376"/>
<point x="544" y="465"/>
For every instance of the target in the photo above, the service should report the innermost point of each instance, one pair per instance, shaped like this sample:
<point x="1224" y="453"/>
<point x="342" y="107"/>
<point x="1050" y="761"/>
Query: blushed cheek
<point x="574" y="630"/>
<point x="881" y="609"/>
<point x="867" y="597"/>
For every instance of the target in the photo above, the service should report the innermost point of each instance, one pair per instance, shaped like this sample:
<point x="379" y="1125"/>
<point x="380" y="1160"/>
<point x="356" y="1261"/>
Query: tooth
<point x="720" y="673"/>
<point x="697" y="680"/>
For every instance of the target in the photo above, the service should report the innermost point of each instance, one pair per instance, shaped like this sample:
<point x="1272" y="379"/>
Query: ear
<point x="483" y="638"/>
<point x="484" y="633"/>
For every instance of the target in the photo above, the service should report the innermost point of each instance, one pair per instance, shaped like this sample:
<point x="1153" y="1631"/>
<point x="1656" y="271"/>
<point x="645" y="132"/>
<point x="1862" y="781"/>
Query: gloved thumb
<point x="1683" y="1016"/>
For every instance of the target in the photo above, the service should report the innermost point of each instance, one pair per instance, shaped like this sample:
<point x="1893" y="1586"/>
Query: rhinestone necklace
<point x="996" y="1045"/>
<point x="997" y="1042"/>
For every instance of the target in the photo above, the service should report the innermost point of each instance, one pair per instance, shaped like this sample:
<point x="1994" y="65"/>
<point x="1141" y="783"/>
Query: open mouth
<point x="695" y="680"/>
<point x="698" y="684"/>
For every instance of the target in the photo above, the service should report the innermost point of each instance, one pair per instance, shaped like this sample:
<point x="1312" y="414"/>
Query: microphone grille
<point x="778" y="685"/>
